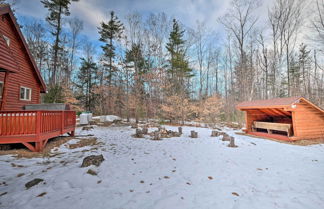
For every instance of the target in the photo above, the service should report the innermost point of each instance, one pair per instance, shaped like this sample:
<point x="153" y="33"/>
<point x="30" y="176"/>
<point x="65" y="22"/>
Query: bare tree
<point x="240" y="21"/>
<point x="76" y="26"/>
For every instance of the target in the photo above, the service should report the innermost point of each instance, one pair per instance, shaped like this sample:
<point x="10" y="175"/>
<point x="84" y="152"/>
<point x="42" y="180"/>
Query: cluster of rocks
<point x="87" y="128"/>
<point x="158" y="134"/>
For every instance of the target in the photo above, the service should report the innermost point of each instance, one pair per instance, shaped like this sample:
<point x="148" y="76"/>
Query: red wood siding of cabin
<point x="26" y="77"/>
<point x="308" y="121"/>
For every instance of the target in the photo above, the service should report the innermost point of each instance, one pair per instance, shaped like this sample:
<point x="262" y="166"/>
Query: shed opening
<point x="270" y="121"/>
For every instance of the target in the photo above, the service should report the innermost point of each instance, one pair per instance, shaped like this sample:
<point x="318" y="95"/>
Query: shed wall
<point x="308" y="121"/>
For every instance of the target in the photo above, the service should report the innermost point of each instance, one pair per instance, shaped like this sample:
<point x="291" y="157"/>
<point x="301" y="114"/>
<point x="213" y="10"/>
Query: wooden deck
<point x="35" y="128"/>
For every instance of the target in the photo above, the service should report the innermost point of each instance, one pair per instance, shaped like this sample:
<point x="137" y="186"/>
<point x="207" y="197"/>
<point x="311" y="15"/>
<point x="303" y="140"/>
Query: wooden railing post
<point x="62" y="122"/>
<point x="38" y="124"/>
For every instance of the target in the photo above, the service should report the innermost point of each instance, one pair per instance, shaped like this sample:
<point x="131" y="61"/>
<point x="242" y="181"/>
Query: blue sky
<point x="92" y="12"/>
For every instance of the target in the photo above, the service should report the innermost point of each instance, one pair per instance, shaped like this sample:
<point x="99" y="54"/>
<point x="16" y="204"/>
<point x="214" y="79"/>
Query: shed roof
<point x="268" y="103"/>
<point x="5" y="9"/>
<point x="275" y="103"/>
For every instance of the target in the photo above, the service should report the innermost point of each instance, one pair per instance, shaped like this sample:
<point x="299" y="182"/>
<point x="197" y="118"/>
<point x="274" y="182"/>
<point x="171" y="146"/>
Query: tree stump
<point x="214" y="133"/>
<point x="232" y="142"/>
<point x="139" y="133"/>
<point x="180" y="130"/>
<point x="194" y="134"/>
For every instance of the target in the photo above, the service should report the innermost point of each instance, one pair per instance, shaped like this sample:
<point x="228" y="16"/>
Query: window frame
<point x="25" y="88"/>
<point x="1" y="89"/>
<point x="7" y="39"/>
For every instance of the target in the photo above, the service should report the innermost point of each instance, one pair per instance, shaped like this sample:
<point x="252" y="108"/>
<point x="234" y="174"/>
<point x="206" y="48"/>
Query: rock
<point x="4" y="193"/>
<point x="92" y="172"/>
<point x="20" y="174"/>
<point x="134" y="125"/>
<point x="175" y="134"/>
<point x="87" y="128"/>
<point x="144" y="130"/>
<point x="33" y="183"/>
<point x="156" y="136"/>
<point x="42" y="194"/>
<point x="194" y="134"/>
<point x="139" y="133"/>
<point x="92" y="160"/>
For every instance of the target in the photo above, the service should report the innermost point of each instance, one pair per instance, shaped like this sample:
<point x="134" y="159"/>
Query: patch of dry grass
<point x="84" y="142"/>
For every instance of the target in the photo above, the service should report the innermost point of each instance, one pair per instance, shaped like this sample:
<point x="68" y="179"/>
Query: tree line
<point x="153" y="66"/>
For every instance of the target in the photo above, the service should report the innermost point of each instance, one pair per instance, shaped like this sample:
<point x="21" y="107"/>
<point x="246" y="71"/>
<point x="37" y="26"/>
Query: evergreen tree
<point x="57" y="9"/>
<point x="295" y="80"/>
<point x="179" y="70"/>
<point x="136" y="58"/>
<point x="87" y="81"/>
<point x="305" y="67"/>
<point x="110" y="32"/>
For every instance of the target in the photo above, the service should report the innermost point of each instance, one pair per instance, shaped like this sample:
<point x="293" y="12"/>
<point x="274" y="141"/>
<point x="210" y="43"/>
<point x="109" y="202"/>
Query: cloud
<point x="92" y="12"/>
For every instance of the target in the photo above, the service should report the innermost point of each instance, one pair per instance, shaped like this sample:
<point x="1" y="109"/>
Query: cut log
<point x="139" y="133"/>
<point x="232" y="142"/>
<point x="194" y="134"/>
<point x="214" y="133"/>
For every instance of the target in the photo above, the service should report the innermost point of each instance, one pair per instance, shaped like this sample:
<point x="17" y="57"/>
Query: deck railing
<point x="31" y="122"/>
<point x="37" y="125"/>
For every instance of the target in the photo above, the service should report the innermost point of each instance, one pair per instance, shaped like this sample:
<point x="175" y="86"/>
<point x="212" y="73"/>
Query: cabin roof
<point x="5" y="9"/>
<point x="274" y="103"/>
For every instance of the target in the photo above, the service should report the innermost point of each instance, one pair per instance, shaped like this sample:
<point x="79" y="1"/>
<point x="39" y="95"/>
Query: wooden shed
<point x="292" y="118"/>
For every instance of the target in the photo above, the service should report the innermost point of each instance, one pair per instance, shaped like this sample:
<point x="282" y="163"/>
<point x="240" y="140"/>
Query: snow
<point x="265" y="174"/>
<point x="109" y="118"/>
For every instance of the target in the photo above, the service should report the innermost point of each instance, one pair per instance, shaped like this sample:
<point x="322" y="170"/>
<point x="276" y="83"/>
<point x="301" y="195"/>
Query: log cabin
<point x="21" y="84"/>
<point x="292" y="118"/>
<point x="20" y="79"/>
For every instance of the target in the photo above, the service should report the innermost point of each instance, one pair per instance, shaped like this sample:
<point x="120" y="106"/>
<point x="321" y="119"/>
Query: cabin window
<point x="1" y="88"/>
<point x="25" y="93"/>
<point x="7" y="40"/>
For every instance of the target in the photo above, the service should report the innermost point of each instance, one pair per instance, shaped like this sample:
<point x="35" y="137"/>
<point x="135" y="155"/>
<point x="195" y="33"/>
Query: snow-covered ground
<point x="171" y="173"/>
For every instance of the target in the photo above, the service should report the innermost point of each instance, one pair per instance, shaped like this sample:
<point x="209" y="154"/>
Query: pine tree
<point x="305" y="66"/>
<point x="179" y="70"/>
<point x="57" y="9"/>
<point x="135" y="56"/>
<point x="110" y="32"/>
<point x="87" y="81"/>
